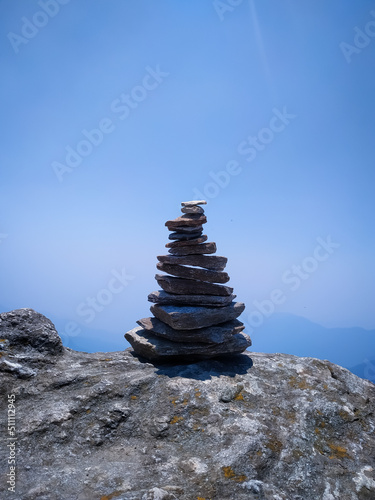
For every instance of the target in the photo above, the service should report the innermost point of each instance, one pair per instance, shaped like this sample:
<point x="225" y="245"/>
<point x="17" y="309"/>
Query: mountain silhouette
<point x="352" y="348"/>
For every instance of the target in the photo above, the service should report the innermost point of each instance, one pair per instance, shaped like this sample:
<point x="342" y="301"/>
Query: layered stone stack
<point x="194" y="313"/>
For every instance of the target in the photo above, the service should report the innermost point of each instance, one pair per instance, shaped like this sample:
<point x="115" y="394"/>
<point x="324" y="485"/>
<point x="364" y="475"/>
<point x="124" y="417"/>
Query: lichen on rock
<point x="255" y="426"/>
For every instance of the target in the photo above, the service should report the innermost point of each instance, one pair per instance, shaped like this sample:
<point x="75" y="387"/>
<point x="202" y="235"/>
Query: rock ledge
<point x="255" y="426"/>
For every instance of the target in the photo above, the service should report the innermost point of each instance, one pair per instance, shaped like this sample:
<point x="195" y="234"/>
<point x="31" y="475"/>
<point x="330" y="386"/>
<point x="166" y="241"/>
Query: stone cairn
<point x="194" y="317"/>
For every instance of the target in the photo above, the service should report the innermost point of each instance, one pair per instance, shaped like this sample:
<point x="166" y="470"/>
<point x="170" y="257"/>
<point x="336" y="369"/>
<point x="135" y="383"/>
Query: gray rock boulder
<point x="29" y="333"/>
<point x="108" y="426"/>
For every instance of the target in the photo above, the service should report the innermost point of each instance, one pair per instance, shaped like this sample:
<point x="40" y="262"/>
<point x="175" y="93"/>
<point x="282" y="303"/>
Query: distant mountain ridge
<point x="352" y="348"/>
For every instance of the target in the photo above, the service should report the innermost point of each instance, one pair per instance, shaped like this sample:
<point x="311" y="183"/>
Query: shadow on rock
<point x="230" y="366"/>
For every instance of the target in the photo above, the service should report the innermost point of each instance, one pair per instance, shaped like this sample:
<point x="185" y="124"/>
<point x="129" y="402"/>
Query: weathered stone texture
<point x="162" y="297"/>
<point x="212" y="262"/>
<point x="192" y="317"/>
<point x="194" y="273"/>
<point x="108" y="426"/>
<point x="194" y="241"/>
<point x="208" y="335"/>
<point x="203" y="248"/>
<point x="186" y="286"/>
<point x="161" y="350"/>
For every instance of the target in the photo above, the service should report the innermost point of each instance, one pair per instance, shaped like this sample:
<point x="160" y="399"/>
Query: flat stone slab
<point x="194" y="273"/>
<point x="192" y="209"/>
<point x="185" y="236"/>
<point x="187" y="220"/>
<point x="183" y="286"/>
<point x="212" y="262"/>
<point x="195" y="241"/>
<point x="188" y="229"/>
<point x="193" y="203"/>
<point x="193" y="317"/>
<point x="209" y="335"/>
<point x="165" y="298"/>
<point x="203" y="248"/>
<point x="157" y="349"/>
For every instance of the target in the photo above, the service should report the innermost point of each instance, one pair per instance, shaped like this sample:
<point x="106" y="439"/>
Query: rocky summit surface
<point x="110" y="426"/>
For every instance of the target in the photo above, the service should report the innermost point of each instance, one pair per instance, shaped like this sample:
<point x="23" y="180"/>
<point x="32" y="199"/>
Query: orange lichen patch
<point x="200" y="498"/>
<point x="2" y="340"/>
<point x="197" y="427"/>
<point x="338" y="451"/>
<point x="133" y="397"/>
<point x="317" y="431"/>
<point x="106" y="359"/>
<point x="325" y="386"/>
<point x="290" y="415"/>
<point x="239" y="397"/>
<point x="200" y="412"/>
<point x="88" y="411"/>
<point x="299" y="383"/>
<point x="176" y="419"/>
<point x="230" y="474"/>
<point x="259" y="453"/>
<point x="197" y="394"/>
<point x="111" y="495"/>
<point x="274" y="445"/>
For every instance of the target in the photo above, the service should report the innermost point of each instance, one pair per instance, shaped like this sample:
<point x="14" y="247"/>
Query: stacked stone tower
<point x="194" y="315"/>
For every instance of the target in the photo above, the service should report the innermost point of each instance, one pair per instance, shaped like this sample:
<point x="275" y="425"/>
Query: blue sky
<point x="266" y="107"/>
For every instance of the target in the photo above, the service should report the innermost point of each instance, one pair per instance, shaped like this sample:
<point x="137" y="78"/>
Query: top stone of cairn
<point x="192" y="207"/>
<point x="193" y="203"/>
